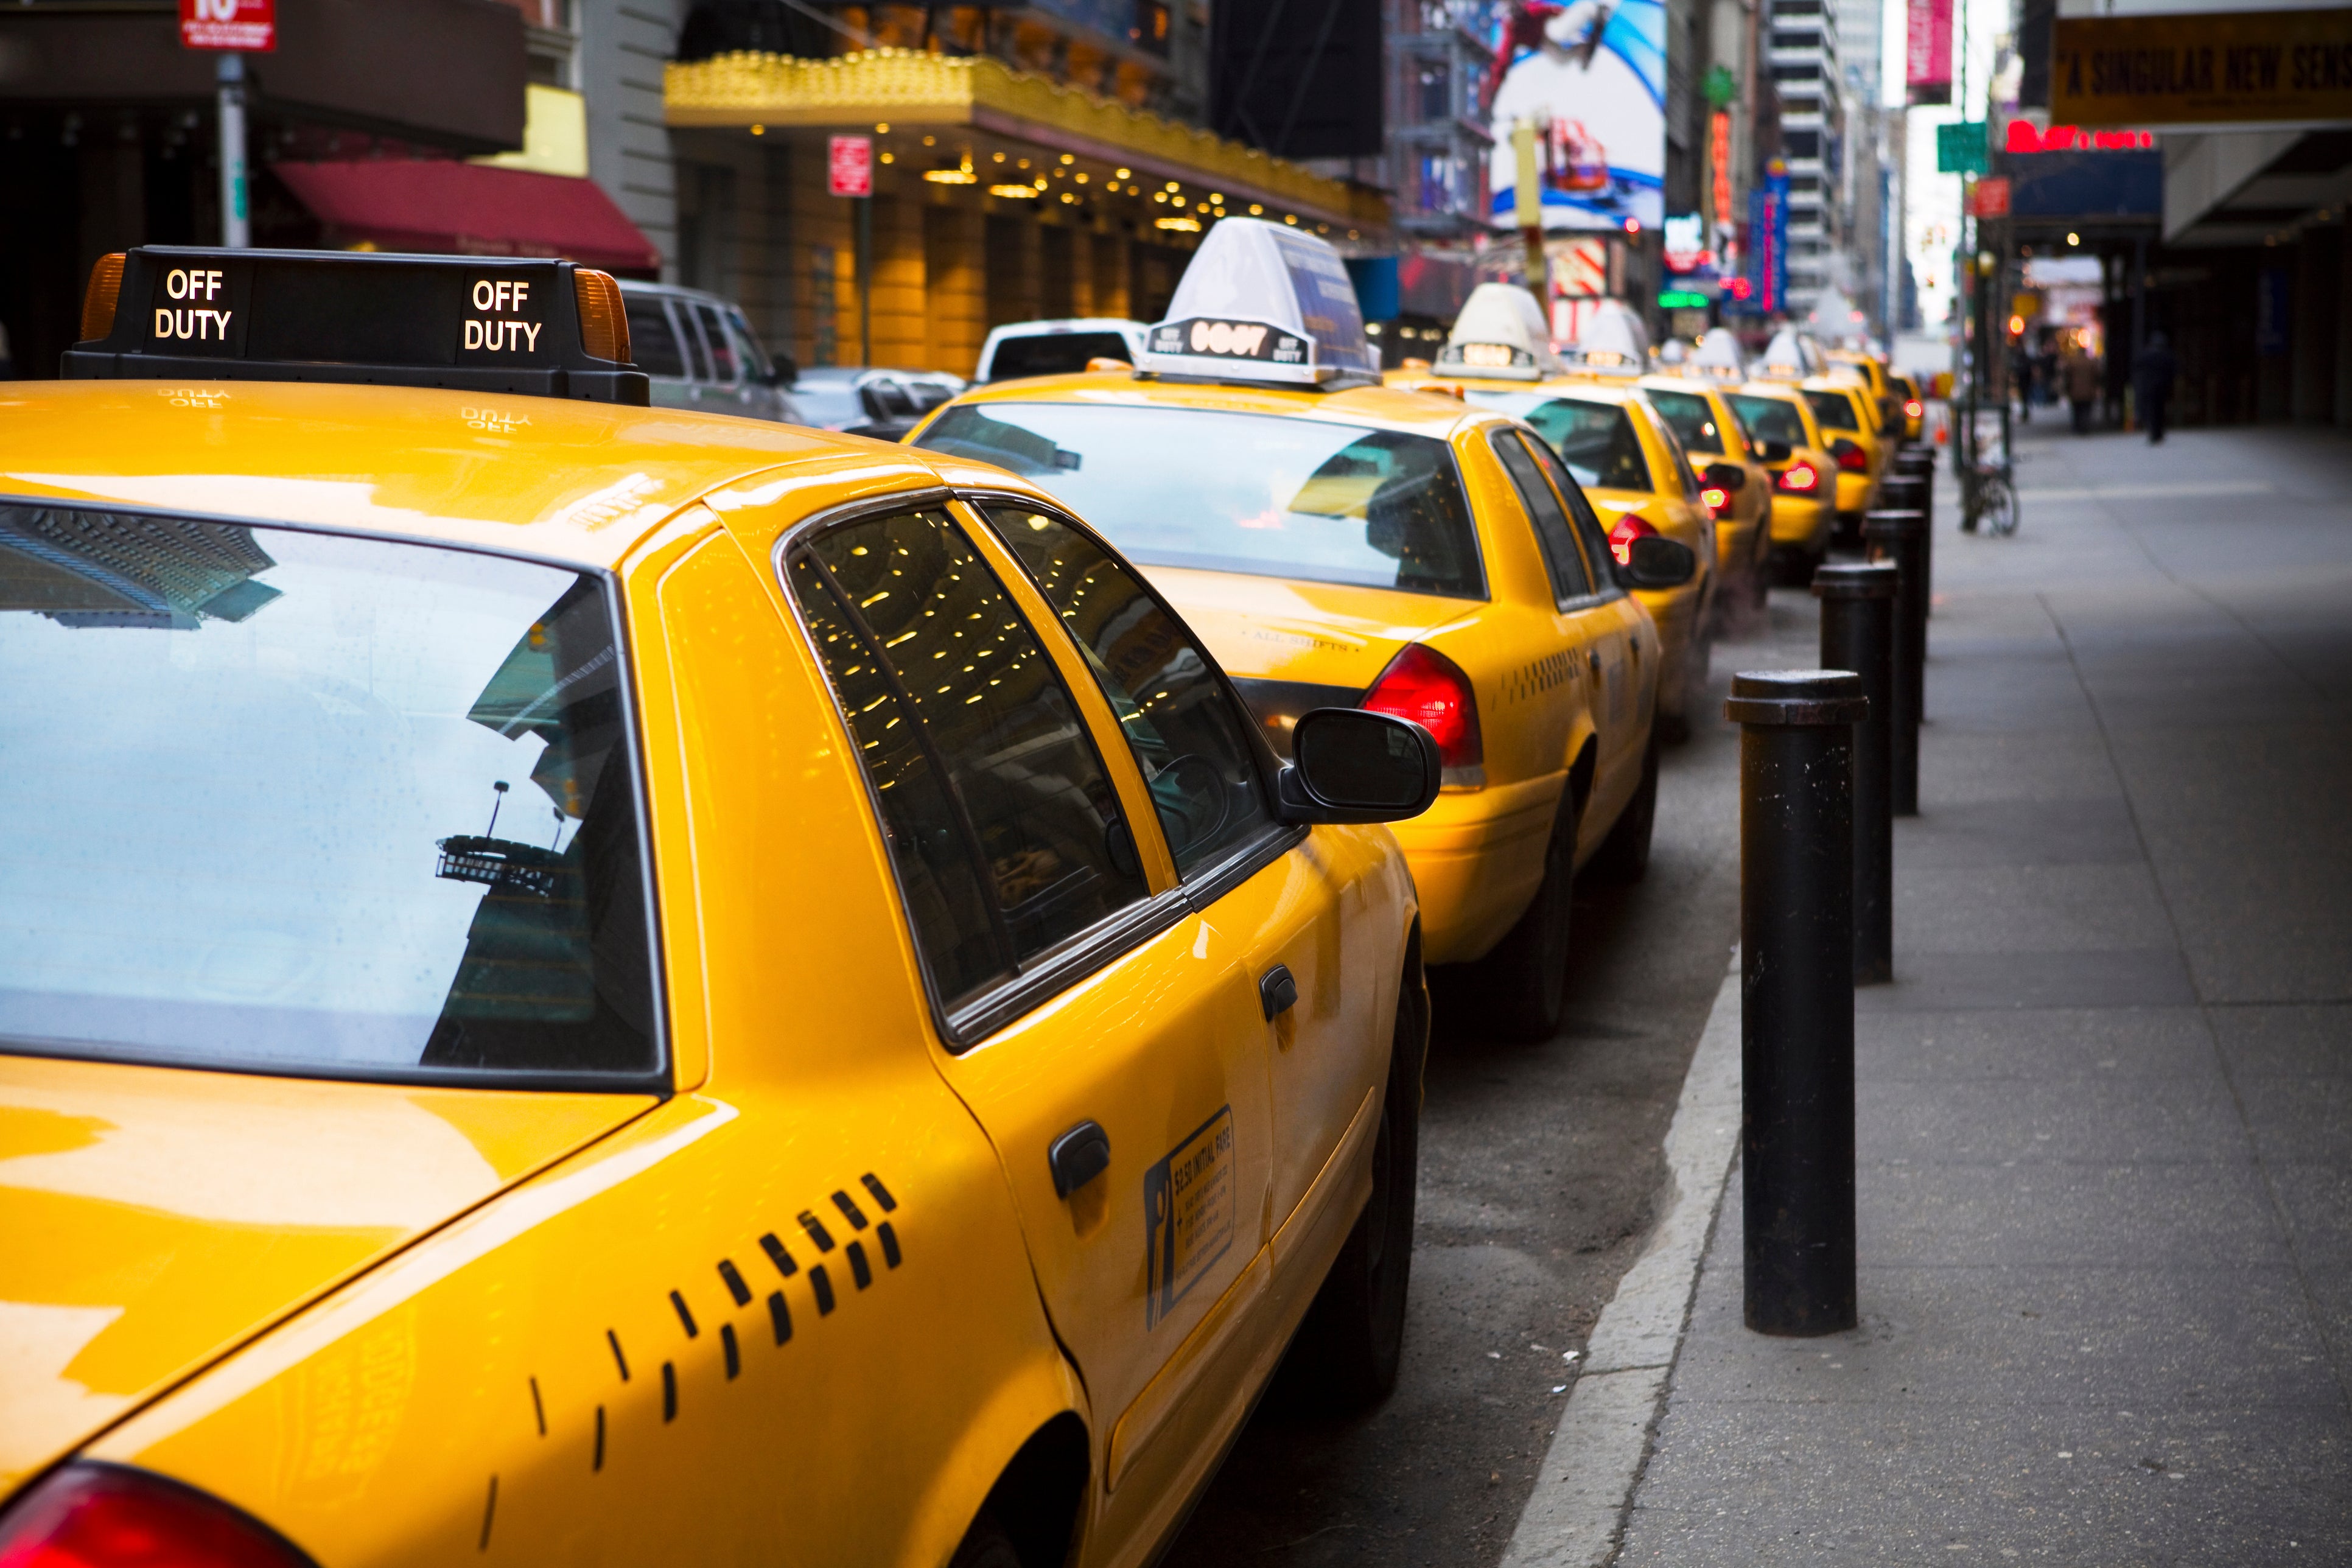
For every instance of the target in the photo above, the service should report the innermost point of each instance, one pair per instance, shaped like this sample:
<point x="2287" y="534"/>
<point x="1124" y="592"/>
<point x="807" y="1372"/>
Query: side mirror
<point x="783" y="373"/>
<point x="1350" y="765"/>
<point x="1773" y="451"/>
<point x="1729" y="477"/>
<point x="1656" y="561"/>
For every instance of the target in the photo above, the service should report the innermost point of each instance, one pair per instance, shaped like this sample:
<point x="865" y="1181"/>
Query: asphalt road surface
<point x="1539" y="1172"/>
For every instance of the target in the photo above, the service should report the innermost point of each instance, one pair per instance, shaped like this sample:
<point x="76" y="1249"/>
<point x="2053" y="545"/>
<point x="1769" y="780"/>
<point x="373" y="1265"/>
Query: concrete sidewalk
<point x="2106" y="1112"/>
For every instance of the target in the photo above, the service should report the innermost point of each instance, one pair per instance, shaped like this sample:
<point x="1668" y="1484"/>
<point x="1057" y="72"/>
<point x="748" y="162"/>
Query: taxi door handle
<point x="1594" y="655"/>
<point x="1278" y="992"/>
<point x="1077" y="1157"/>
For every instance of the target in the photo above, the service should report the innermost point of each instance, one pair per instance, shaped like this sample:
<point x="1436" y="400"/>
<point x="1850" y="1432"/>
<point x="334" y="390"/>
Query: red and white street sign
<point x="249" y="26"/>
<point x="849" y="162"/>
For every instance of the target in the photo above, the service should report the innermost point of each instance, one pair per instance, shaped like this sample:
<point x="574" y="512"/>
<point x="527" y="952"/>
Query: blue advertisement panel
<point x="1591" y="76"/>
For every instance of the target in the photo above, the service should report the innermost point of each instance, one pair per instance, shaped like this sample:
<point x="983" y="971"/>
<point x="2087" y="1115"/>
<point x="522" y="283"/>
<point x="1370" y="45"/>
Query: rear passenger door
<point x="1103" y="1033"/>
<point x="1595" y="633"/>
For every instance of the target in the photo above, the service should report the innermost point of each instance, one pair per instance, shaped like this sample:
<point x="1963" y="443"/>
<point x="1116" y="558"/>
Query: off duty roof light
<point x="1500" y="333"/>
<point x="1263" y="303"/>
<point x="1790" y="356"/>
<point x="1718" y="356"/>
<point x="1613" y="342"/>
<point x="469" y="323"/>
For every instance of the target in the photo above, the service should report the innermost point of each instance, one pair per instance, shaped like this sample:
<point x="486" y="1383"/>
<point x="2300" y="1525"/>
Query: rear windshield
<point x="1690" y="416"/>
<point x="290" y="802"/>
<point x="1055" y="353"/>
<point x="1596" y="440"/>
<point x="1241" y="492"/>
<point x="1835" y="410"/>
<point x="1771" y="418"/>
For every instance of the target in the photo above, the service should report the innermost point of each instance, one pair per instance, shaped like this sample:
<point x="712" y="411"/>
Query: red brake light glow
<point x="1620" y="537"/>
<point x="1851" y="458"/>
<point x="1912" y="409"/>
<point x="98" y="1516"/>
<point x="1799" y="477"/>
<point x="1715" y="497"/>
<point x="1424" y="686"/>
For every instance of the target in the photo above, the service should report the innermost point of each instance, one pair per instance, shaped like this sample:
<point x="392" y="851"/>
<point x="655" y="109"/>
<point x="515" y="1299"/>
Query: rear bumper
<point x="1476" y="858"/>
<point x="1801" y="523"/>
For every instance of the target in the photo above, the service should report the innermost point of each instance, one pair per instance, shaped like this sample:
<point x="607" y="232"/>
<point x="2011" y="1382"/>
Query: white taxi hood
<point x="1500" y="333"/>
<point x="1261" y="301"/>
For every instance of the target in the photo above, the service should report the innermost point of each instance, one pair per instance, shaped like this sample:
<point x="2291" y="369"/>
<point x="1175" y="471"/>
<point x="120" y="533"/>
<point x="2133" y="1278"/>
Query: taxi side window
<point x="652" y="343"/>
<point x="722" y="349"/>
<point x="1589" y="531"/>
<point x="1568" y="578"/>
<point x="1188" y="741"/>
<point x="1003" y="826"/>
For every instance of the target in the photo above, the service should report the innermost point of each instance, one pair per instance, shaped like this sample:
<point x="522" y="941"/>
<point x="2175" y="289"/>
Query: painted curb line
<point x="1576" y="1513"/>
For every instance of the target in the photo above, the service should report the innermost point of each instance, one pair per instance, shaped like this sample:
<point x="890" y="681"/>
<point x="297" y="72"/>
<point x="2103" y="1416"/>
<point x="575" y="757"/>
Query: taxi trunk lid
<point x="1292" y="646"/>
<point x="151" y="1219"/>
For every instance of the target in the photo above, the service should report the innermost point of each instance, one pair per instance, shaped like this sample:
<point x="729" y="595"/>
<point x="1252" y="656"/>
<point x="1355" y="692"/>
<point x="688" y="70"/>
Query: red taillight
<point x="1715" y="497"/>
<point x="1851" y="458"/>
<point x="1620" y="537"/>
<point x="97" y="1516"/>
<point x="1424" y="686"/>
<point x="1912" y="409"/>
<point x="1799" y="477"/>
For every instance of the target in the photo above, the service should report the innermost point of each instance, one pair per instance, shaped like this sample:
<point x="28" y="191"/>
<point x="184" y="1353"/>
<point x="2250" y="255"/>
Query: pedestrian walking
<point x="2152" y="374"/>
<point x="2083" y="375"/>
<point x="2021" y="371"/>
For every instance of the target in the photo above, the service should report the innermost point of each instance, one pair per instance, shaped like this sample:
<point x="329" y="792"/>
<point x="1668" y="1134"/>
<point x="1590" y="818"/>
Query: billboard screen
<point x="1591" y="76"/>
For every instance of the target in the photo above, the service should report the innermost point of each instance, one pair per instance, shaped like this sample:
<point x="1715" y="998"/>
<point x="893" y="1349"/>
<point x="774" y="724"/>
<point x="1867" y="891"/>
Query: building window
<point x="1801" y="144"/>
<point x="1150" y="29"/>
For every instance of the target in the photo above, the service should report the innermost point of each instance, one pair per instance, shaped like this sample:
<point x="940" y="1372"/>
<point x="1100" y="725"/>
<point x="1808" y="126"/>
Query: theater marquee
<point x="2245" y="68"/>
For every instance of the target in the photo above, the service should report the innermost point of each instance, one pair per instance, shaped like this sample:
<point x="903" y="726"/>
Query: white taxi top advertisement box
<point x="1263" y="303"/>
<point x="1500" y="333"/>
<point x="1613" y="342"/>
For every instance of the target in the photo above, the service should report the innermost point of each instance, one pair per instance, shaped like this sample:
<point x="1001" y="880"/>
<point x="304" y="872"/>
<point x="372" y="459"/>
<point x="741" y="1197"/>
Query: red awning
<point x="468" y="209"/>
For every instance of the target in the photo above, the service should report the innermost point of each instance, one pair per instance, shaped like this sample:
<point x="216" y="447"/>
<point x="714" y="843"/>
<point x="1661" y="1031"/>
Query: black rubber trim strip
<point x="734" y="1354"/>
<point x="850" y="1211"/>
<point x="669" y="1391"/>
<point x="781" y="1316"/>
<point x="685" y="1315"/>
<point x="823" y="1284"/>
<point x="873" y="1183"/>
<point x="734" y="1283"/>
<point x="623" y="1361"/>
<point x="859" y="1269"/>
<point x="888" y="1237"/>
<point x="778" y="1256"/>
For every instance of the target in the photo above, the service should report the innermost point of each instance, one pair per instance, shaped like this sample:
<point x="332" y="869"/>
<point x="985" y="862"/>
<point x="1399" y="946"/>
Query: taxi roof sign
<point x="1500" y="333"/>
<point x="1791" y="356"/>
<point x="1263" y="303"/>
<point x="1718" y="356"/>
<point x="548" y="328"/>
<point x="1613" y="342"/>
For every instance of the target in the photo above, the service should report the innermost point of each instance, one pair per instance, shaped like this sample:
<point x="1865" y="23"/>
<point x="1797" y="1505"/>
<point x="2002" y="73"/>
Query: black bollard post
<point x="1796" y="995"/>
<point x="1901" y="537"/>
<point x="1858" y="634"/>
<point x="1909" y="492"/>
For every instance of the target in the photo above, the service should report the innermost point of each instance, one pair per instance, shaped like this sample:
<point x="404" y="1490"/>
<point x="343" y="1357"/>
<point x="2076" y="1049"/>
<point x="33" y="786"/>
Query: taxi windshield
<point x="1690" y="416"/>
<point x="1596" y="440"/>
<point x="301" y="803"/>
<point x="1253" y="493"/>
<point x="1771" y="418"/>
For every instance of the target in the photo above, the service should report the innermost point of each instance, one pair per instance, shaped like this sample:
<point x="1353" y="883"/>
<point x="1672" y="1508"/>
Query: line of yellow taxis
<point x="587" y="983"/>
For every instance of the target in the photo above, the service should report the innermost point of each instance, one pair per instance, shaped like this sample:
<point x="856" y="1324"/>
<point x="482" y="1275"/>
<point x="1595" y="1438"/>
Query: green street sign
<point x="1960" y="148"/>
<point x="1682" y="299"/>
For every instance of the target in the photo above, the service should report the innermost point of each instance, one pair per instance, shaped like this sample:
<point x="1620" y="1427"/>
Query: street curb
<point x="1576" y="1513"/>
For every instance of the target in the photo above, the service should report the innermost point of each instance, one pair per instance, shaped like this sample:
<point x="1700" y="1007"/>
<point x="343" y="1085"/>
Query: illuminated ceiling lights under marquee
<point x="1592" y="74"/>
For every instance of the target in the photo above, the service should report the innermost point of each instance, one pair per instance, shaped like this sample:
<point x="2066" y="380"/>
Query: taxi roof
<point x="573" y="481"/>
<point x="1386" y="407"/>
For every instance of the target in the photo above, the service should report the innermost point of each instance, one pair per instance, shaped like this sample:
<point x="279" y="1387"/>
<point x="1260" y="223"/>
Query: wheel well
<point x="1580" y="776"/>
<point x="1037" y="1498"/>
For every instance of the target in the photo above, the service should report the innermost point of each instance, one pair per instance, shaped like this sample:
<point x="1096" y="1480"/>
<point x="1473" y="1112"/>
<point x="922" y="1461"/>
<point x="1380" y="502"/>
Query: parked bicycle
<point x="1989" y="490"/>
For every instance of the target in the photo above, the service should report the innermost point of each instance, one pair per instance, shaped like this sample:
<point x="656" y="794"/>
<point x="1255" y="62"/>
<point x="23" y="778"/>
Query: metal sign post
<point x="234" y="28"/>
<point x="849" y="172"/>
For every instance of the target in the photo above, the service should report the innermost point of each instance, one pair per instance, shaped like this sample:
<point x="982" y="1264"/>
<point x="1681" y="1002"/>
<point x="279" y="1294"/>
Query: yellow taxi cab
<point x="598" y="984"/>
<point x="1848" y="417"/>
<point x="1804" y="483"/>
<point x="1873" y="371"/>
<point x="1338" y="541"/>
<point x="1735" y="487"/>
<point x="1915" y="407"/>
<point x="1627" y="458"/>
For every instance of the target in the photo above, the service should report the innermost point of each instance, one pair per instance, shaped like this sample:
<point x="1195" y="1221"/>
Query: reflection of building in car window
<point x="974" y="746"/>
<point x="292" y="812"/>
<point x="1690" y="417"/>
<point x="1262" y="494"/>
<point x="1771" y="418"/>
<point x="1596" y="440"/>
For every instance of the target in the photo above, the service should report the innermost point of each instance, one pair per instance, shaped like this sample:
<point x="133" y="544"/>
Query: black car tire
<point x="1525" y="979"/>
<point x="1348" y="1350"/>
<point x="985" y="1545"/>
<point x="1624" y="856"/>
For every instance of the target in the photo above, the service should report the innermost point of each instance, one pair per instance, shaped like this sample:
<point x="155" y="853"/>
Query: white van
<point x="1058" y="348"/>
